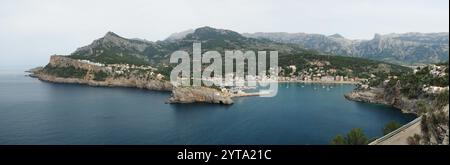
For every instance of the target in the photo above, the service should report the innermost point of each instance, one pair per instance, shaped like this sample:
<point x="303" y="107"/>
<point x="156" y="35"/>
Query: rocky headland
<point x="89" y="78"/>
<point x="62" y="69"/>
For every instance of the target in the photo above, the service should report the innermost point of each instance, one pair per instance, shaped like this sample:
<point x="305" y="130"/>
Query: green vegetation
<point x="433" y="118"/>
<point x="65" y="72"/>
<point x="431" y="125"/>
<point x="100" y="76"/>
<point x="441" y="100"/>
<point x="356" y="136"/>
<point x="391" y="126"/>
<point x="423" y="107"/>
<point x="339" y="140"/>
<point x="165" y="71"/>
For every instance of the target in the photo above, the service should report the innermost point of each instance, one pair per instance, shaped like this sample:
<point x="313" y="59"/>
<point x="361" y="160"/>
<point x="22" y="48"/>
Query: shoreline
<point x="377" y="96"/>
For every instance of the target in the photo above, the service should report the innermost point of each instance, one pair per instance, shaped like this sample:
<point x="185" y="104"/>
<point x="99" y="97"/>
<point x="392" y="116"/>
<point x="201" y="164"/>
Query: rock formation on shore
<point x="199" y="94"/>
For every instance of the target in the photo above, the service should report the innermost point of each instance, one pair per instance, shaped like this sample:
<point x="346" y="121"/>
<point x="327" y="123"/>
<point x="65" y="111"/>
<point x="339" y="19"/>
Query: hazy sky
<point x="32" y="30"/>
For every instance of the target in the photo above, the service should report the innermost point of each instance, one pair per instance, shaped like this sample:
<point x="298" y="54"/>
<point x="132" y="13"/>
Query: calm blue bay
<point x="36" y="112"/>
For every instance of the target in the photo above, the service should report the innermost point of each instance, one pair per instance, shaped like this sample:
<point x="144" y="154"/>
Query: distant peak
<point x="206" y="28"/>
<point x="336" y="36"/>
<point x="111" y="34"/>
<point x="179" y="35"/>
<point x="377" y="36"/>
<point x="211" y="30"/>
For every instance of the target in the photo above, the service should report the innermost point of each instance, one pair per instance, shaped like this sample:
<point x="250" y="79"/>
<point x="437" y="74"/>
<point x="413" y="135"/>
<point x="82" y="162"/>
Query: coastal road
<point x="400" y="136"/>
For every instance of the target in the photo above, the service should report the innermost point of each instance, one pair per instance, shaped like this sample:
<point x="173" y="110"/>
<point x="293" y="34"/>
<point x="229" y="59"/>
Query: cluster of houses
<point x="128" y="67"/>
<point x="434" y="89"/>
<point x="317" y="74"/>
<point x="231" y="79"/>
<point x="436" y="71"/>
<point x="321" y="78"/>
<point x="91" y="63"/>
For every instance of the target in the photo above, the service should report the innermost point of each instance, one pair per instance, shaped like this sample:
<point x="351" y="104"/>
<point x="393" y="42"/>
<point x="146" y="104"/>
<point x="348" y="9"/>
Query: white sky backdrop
<point x="32" y="30"/>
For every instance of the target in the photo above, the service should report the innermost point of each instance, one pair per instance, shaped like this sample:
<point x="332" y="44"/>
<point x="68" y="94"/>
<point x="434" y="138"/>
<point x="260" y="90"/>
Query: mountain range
<point x="113" y="48"/>
<point x="408" y="48"/>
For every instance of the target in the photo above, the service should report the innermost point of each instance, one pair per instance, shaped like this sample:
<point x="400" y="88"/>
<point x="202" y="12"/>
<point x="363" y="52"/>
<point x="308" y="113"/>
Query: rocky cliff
<point x="199" y="94"/>
<point x="379" y="96"/>
<point x="109" y="82"/>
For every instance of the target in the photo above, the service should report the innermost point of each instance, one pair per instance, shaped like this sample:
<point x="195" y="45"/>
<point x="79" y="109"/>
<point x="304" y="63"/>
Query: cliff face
<point x="110" y="82"/>
<point x="379" y="96"/>
<point x="199" y="94"/>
